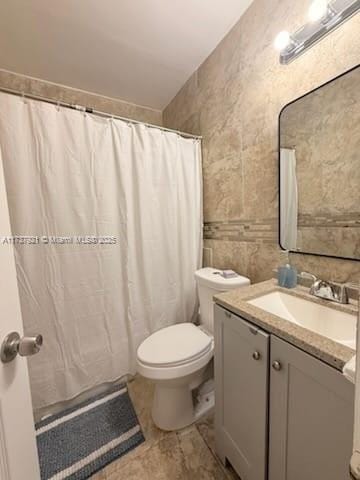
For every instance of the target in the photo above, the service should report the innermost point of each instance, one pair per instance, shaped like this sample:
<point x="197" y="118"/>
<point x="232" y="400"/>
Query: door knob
<point x="13" y="344"/>
<point x="256" y="355"/>
<point x="276" y="365"/>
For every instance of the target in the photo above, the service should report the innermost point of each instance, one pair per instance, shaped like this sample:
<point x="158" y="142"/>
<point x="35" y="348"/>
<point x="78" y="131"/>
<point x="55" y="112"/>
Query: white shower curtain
<point x="71" y="174"/>
<point x="289" y="199"/>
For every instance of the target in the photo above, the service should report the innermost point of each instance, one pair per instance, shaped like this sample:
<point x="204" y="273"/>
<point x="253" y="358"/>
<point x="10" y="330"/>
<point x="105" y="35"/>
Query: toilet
<point x="178" y="358"/>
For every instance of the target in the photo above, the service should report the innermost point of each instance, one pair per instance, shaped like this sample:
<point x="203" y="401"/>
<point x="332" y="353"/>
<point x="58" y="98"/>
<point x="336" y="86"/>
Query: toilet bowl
<point x="178" y="358"/>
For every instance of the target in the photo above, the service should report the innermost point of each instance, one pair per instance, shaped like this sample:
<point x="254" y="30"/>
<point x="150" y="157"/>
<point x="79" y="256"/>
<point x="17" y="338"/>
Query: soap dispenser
<point x="287" y="276"/>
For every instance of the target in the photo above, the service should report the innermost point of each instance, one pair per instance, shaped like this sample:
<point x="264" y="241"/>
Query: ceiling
<point x="141" y="51"/>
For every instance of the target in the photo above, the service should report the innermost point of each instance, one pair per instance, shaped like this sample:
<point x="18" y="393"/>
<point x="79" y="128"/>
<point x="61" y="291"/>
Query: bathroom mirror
<point x="319" y="171"/>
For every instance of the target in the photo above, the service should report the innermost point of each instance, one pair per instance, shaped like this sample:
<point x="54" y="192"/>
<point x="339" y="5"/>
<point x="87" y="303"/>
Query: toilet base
<point x="205" y="401"/>
<point x="177" y="404"/>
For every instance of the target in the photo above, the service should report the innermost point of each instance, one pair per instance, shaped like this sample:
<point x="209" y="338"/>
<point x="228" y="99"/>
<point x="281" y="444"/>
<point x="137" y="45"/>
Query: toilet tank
<point x="210" y="282"/>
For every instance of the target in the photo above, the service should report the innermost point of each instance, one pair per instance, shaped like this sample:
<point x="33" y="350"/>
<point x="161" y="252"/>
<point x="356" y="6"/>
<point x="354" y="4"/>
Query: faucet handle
<point x="341" y="292"/>
<point x="309" y="276"/>
<point x="324" y="289"/>
<point x="350" y="286"/>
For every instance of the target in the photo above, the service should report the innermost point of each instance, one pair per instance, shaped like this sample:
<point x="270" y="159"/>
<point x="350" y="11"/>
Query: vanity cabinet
<point x="241" y="394"/>
<point x="311" y="417"/>
<point x="281" y="414"/>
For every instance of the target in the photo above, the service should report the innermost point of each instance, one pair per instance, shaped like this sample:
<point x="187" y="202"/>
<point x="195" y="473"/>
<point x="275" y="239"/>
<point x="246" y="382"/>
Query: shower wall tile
<point x="56" y="92"/>
<point x="260" y="178"/>
<point x="223" y="189"/>
<point x="332" y="269"/>
<point x="233" y="100"/>
<point x="253" y="260"/>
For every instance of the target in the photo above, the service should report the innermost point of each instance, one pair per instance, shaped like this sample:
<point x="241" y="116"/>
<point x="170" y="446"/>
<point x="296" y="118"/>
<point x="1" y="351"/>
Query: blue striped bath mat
<point x="78" y="442"/>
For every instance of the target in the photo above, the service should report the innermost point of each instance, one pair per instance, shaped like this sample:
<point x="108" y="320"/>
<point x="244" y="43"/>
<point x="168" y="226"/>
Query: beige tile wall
<point x="56" y="92"/>
<point x="234" y="100"/>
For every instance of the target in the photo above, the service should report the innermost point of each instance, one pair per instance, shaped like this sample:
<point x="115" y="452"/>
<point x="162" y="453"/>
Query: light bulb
<point x="318" y="9"/>
<point x="282" y="40"/>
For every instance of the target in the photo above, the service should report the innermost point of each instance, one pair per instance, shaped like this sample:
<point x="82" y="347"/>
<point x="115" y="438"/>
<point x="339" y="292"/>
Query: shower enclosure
<point x="108" y="215"/>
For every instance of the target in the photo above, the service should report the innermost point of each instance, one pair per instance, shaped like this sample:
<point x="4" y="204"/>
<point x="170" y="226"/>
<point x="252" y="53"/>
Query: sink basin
<point x="334" y="324"/>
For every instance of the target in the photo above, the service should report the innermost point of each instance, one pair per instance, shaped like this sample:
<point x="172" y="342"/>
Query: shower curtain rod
<point x="90" y="110"/>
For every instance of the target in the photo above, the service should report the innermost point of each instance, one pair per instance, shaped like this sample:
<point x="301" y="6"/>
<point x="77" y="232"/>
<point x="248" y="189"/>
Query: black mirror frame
<point x="279" y="162"/>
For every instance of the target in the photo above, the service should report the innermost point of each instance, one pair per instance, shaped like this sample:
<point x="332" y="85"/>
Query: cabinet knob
<point x="276" y="365"/>
<point x="256" y="355"/>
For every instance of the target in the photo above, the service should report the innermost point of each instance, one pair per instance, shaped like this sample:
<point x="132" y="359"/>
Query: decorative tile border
<point x="266" y="230"/>
<point x="333" y="221"/>
<point x="255" y="231"/>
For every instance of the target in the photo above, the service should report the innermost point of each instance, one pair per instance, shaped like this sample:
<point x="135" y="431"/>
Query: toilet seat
<point x="174" y="346"/>
<point x="174" y="351"/>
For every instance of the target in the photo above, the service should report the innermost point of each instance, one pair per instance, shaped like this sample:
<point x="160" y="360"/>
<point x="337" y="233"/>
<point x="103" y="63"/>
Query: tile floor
<point x="184" y="455"/>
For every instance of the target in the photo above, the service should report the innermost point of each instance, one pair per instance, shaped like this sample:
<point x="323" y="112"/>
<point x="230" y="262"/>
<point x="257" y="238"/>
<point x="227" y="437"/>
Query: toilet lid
<point x="174" y="346"/>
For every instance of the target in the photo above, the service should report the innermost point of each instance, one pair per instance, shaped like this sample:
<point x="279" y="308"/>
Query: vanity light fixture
<point x="282" y="40"/>
<point x="318" y="10"/>
<point x="324" y="17"/>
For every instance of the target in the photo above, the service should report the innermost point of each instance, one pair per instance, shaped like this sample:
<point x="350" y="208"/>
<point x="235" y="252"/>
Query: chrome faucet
<point x="334" y="292"/>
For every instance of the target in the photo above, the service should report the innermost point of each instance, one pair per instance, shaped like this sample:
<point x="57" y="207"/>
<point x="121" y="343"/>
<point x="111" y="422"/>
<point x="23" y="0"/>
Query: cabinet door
<point x="241" y="390"/>
<point x="311" y="417"/>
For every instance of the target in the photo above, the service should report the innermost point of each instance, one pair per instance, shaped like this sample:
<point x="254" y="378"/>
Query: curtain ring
<point x="23" y="98"/>
<point x="58" y="106"/>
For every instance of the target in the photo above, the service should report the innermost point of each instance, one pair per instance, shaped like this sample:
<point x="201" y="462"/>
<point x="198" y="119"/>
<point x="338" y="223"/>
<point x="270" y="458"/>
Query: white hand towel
<point x="349" y="369"/>
<point x="355" y="459"/>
